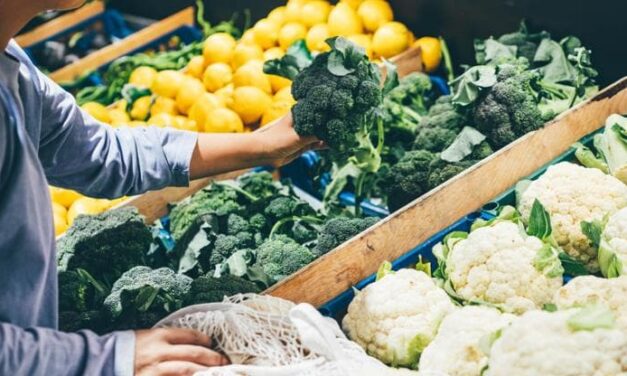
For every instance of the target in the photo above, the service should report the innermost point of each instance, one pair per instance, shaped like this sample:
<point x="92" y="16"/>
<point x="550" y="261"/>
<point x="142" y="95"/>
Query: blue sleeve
<point x="81" y="153"/>
<point x="40" y="351"/>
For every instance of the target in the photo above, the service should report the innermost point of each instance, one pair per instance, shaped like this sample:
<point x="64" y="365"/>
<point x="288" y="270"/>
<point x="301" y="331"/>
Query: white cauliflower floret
<point x="572" y="194"/>
<point x="544" y="343"/>
<point x="455" y="351"/>
<point x="495" y="264"/>
<point x="397" y="316"/>
<point x="613" y="247"/>
<point x="587" y="290"/>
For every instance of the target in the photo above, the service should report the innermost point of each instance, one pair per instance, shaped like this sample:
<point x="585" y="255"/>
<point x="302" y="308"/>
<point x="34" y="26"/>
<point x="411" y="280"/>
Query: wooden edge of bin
<point x="59" y="24"/>
<point x="360" y="257"/>
<point x="125" y="46"/>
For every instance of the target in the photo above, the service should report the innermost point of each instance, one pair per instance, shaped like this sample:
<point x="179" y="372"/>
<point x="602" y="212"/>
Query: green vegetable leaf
<point x="145" y="297"/>
<point x="491" y="49"/>
<point x="593" y="231"/>
<point x="201" y="243"/>
<point x="391" y="78"/>
<point x="344" y="57"/>
<point x="547" y="261"/>
<point x="556" y="68"/>
<point x="587" y="158"/>
<point x="384" y="270"/>
<point x="297" y="58"/>
<point x="466" y="88"/>
<point x="423" y="266"/>
<point x="549" y="307"/>
<point x="463" y="145"/>
<point x="571" y="266"/>
<point x="486" y="341"/>
<point x="611" y="265"/>
<point x="539" y="222"/>
<point x="591" y="318"/>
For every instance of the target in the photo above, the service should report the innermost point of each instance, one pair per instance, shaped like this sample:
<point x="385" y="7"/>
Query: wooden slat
<point x="59" y="24"/>
<point x="342" y="268"/>
<point x="408" y="62"/>
<point x="125" y="46"/>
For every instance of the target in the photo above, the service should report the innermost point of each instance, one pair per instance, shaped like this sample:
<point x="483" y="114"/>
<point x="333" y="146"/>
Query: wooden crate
<point x="360" y="257"/>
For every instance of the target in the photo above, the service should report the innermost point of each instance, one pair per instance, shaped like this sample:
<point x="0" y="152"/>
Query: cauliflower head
<point x="563" y="343"/>
<point x="495" y="265"/>
<point x="396" y="317"/>
<point x="587" y="290"/>
<point x="572" y="194"/>
<point x="455" y="350"/>
<point x="613" y="247"/>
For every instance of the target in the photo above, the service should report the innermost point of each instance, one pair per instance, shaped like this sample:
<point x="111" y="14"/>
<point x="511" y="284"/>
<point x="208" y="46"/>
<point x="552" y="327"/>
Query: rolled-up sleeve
<point x="80" y="153"/>
<point x="39" y="351"/>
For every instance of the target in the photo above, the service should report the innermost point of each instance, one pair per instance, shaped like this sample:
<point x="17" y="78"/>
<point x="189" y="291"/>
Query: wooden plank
<point x="408" y="62"/>
<point x="353" y="261"/>
<point x="59" y="24"/>
<point x="125" y="46"/>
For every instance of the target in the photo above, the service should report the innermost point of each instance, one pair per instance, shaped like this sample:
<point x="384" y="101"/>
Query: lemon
<point x="364" y="41"/>
<point x="284" y="95"/>
<point x="246" y="52"/>
<point x="344" y="21"/>
<point x="119" y="117"/>
<point x="291" y="32"/>
<point x="59" y="209"/>
<point x="167" y="83"/>
<point x="293" y="10"/>
<point x="226" y="94"/>
<point x="250" y="102"/>
<point x="390" y="39"/>
<point x="85" y="205"/>
<point x="273" y="53"/>
<point x="65" y="197"/>
<point x="431" y="51"/>
<point x="251" y="74"/>
<point x="143" y="76"/>
<point x="278" y="82"/>
<point x="185" y="124"/>
<point x="248" y="37"/>
<point x="223" y="120"/>
<point x="266" y="33"/>
<point x="277" y="15"/>
<point x="315" y="12"/>
<point x="97" y="111"/>
<point x="141" y="108"/>
<point x="163" y="105"/>
<point x="217" y="76"/>
<point x="317" y="36"/>
<point x="60" y="224"/>
<point x="122" y="104"/>
<point x="199" y="112"/>
<point x="196" y="67"/>
<point x="277" y="110"/>
<point x="352" y="3"/>
<point x="191" y="90"/>
<point x="161" y="120"/>
<point x="219" y="47"/>
<point x="375" y="13"/>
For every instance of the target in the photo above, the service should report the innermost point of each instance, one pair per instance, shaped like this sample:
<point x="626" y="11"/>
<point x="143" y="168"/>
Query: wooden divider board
<point x="125" y="46"/>
<point x="59" y="24"/>
<point x="360" y="257"/>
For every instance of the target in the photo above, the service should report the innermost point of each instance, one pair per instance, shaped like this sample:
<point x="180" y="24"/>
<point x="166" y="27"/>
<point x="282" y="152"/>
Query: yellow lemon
<point x="316" y="37"/>
<point x="315" y="12"/>
<point x="277" y="15"/>
<point x="59" y="209"/>
<point x="431" y="51"/>
<point x="122" y="104"/>
<point x="97" y="111"/>
<point x="226" y="94"/>
<point x="219" y="47"/>
<point x="273" y="53"/>
<point x="352" y="3"/>
<point x="293" y="10"/>
<point x="223" y="120"/>
<point x="161" y="120"/>
<point x="163" y="105"/>
<point x="199" y="112"/>
<point x="375" y="13"/>
<point x="251" y="74"/>
<point x="278" y="82"/>
<point x="167" y="83"/>
<point x="143" y="76"/>
<point x="119" y="117"/>
<point x="284" y="95"/>
<point x="248" y="37"/>
<point x="250" y="102"/>
<point x="185" y="124"/>
<point x="85" y="205"/>
<point x="266" y="33"/>
<point x="246" y="52"/>
<point x="65" y="197"/>
<point x="217" y="76"/>
<point x="276" y="111"/>
<point x="196" y="66"/>
<point x="60" y="224"/>
<point x="390" y="39"/>
<point x="291" y="32"/>
<point x="141" y="108"/>
<point x="344" y="21"/>
<point x="191" y="90"/>
<point x="363" y="41"/>
<point x="411" y="38"/>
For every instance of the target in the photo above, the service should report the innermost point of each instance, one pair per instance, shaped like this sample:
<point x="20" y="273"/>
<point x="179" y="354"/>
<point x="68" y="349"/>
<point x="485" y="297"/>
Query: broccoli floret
<point x="442" y="171"/>
<point x="286" y="206"/>
<point x="434" y="139"/>
<point x="338" y="230"/>
<point x="207" y="289"/>
<point x="236" y="224"/>
<point x="281" y="256"/>
<point x="411" y="91"/>
<point x="258" y="223"/>
<point x="225" y="246"/>
<point x="105" y="245"/>
<point x="407" y="179"/>
<point x="79" y="291"/>
<point x="259" y="184"/>
<point x="142" y="296"/>
<point x="444" y="114"/>
<point x="400" y="122"/>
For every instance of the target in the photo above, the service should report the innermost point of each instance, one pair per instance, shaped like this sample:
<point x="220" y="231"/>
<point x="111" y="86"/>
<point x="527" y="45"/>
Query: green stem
<point x="359" y="188"/>
<point x="277" y="226"/>
<point x="448" y="62"/>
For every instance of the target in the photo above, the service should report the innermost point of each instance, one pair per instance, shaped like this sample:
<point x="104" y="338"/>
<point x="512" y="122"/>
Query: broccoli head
<point x="105" y="245"/>
<point x="207" y="289"/>
<point x="259" y="184"/>
<point x="434" y="139"/>
<point x="225" y="246"/>
<point x="411" y="91"/>
<point x="444" y="114"/>
<point x="281" y="256"/>
<point x="407" y="179"/>
<point x="79" y="291"/>
<point x="340" y="229"/>
<point x="236" y="223"/>
<point x="442" y="171"/>
<point x="286" y="206"/>
<point x="258" y="223"/>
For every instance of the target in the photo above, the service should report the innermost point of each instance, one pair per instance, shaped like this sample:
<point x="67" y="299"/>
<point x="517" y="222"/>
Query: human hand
<point x="165" y="352"/>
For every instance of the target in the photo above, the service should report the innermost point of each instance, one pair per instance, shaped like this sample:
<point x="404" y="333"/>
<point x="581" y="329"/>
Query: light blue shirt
<point x="45" y="138"/>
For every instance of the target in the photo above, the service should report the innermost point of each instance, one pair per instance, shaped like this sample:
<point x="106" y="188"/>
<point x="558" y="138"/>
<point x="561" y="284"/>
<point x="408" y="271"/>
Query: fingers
<point x="195" y="354"/>
<point x="176" y="336"/>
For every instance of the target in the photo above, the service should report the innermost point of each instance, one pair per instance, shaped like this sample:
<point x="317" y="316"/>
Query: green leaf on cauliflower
<point x="539" y="222"/>
<point x="547" y="261"/>
<point x="384" y="270"/>
<point x="593" y="231"/>
<point x="591" y="318"/>
<point x="423" y="266"/>
<point x="571" y="266"/>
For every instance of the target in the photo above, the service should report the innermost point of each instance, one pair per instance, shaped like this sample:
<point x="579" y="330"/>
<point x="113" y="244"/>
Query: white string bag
<point x="268" y="336"/>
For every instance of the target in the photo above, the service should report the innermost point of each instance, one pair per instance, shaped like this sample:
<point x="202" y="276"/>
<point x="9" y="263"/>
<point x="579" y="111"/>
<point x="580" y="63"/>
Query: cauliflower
<point x="497" y="264"/>
<point x="455" y="349"/>
<point x="586" y="290"/>
<point x="579" y="342"/>
<point x="613" y="247"/>
<point x="572" y="194"/>
<point x="397" y="316"/>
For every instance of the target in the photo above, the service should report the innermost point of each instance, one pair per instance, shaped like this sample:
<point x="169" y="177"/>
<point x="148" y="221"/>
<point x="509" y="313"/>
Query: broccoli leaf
<point x="556" y="68"/>
<point x="466" y="88"/>
<point x="491" y="49"/>
<point x="463" y="145"/>
<point x="297" y="58"/>
<point x="539" y="222"/>
<point x="591" y="318"/>
<point x="345" y="57"/>
<point x="391" y="78"/>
